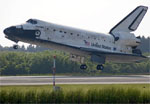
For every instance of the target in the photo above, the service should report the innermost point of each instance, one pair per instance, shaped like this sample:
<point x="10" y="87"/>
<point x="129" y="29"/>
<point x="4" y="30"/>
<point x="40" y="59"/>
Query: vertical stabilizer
<point x="131" y="21"/>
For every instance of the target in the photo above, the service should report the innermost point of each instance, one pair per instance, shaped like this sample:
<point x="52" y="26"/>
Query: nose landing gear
<point x="15" y="46"/>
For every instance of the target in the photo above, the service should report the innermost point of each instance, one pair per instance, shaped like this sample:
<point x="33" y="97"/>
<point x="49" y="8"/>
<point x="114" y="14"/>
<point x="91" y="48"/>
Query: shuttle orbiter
<point x="117" y="46"/>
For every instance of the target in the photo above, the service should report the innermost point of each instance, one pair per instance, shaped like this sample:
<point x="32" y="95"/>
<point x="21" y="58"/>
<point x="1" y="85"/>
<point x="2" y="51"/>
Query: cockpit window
<point x="32" y="21"/>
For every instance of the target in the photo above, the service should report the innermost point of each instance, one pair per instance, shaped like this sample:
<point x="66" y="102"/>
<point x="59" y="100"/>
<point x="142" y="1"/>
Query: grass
<point x="115" y="93"/>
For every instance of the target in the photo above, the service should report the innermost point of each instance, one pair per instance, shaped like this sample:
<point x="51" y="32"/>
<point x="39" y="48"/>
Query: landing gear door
<point x="98" y="58"/>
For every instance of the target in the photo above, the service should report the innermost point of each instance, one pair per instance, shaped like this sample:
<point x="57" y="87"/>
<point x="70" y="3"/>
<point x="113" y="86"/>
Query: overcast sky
<point x="93" y="15"/>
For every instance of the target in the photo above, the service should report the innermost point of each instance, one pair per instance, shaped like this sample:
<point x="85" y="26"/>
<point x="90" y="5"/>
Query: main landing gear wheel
<point x="15" y="46"/>
<point x="100" y="67"/>
<point x="83" y="66"/>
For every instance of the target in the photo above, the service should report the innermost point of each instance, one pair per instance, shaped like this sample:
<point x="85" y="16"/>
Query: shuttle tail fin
<point x="131" y="21"/>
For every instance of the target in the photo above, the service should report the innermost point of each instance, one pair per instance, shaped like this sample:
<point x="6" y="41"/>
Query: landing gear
<point x="100" y="67"/>
<point x="83" y="66"/>
<point x="15" y="46"/>
<point x="79" y="59"/>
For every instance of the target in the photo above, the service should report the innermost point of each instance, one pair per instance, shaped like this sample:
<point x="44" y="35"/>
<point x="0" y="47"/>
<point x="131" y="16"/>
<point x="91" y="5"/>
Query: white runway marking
<point x="44" y="80"/>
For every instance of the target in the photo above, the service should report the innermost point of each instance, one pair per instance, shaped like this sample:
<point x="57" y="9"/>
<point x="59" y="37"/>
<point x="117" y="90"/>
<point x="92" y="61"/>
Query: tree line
<point x="21" y="63"/>
<point x="145" y="44"/>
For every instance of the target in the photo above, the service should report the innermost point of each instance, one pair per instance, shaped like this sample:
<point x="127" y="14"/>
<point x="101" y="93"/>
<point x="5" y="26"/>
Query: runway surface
<point x="44" y="80"/>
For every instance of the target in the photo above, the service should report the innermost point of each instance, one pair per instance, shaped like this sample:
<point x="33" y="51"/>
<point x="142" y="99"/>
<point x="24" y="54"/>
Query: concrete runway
<point x="44" y="80"/>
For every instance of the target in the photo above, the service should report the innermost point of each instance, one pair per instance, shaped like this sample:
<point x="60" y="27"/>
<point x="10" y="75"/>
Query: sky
<point x="94" y="15"/>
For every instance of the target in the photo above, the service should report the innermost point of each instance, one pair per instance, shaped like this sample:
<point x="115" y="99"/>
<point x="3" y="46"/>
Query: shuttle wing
<point x="116" y="57"/>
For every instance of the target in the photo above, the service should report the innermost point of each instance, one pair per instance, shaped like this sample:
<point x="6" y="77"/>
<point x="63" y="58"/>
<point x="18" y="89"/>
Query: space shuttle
<point x="119" y="45"/>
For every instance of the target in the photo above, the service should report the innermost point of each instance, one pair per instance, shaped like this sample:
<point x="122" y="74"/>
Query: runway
<point x="45" y="80"/>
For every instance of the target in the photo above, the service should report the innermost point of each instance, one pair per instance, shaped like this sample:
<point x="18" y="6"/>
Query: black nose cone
<point x="9" y="30"/>
<point x="6" y="31"/>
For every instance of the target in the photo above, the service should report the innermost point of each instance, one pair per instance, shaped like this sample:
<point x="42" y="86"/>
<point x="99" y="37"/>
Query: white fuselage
<point x="66" y="36"/>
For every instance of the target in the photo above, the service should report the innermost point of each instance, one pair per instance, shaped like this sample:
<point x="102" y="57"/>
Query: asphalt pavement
<point x="45" y="80"/>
